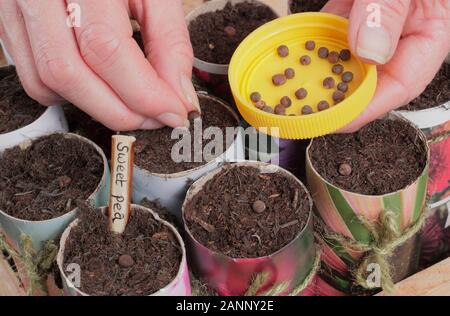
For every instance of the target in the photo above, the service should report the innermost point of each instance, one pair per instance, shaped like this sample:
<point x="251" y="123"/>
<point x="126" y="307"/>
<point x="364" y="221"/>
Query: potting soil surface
<point x="17" y="109"/>
<point x="213" y="43"/>
<point x="44" y="180"/>
<point x="153" y="149"/>
<point x="383" y="157"/>
<point x="223" y="217"/>
<point x="154" y="250"/>
<point x="298" y="6"/>
<point x="437" y="92"/>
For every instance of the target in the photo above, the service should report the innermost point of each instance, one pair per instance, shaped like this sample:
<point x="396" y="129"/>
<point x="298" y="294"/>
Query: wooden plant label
<point x="122" y="158"/>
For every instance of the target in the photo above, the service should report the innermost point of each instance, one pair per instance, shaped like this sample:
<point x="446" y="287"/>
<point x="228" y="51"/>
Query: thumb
<point x="376" y="27"/>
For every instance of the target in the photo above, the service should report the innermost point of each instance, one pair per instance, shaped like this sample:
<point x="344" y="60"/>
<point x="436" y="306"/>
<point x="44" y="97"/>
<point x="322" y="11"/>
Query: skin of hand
<point x="408" y="47"/>
<point x="98" y="66"/>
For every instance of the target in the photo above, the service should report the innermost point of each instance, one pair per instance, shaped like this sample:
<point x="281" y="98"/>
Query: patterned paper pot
<point x="170" y="189"/>
<point x="214" y="76"/>
<point x="233" y="276"/>
<point x="340" y="210"/>
<point x="179" y="286"/>
<point x="42" y="231"/>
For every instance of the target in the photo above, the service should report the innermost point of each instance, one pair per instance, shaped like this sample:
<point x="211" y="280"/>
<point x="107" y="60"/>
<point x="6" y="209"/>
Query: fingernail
<point x="173" y="120"/>
<point x="374" y="43"/>
<point x="151" y="124"/>
<point x="189" y="92"/>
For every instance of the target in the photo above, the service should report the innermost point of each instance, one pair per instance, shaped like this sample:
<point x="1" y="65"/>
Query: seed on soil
<point x="286" y="101"/>
<point x="283" y="51"/>
<point x="267" y="109"/>
<point x="305" y="60"/>
<point x="307" y="110"/>
<point x="323" y="52"/>
<point x="310" y="45"/>
<point x="279" y="79"/>
<point x="333" y="57"/>
<point x="337" y="69"/>
<point x="255" y="97"/>
<point x="211" y="46"/>
<point x="342" y="86"/>
<point x="259" y="206"/>
<point x="338" y="96"/>
<point x="280" y="110"/>
<point x="345" y="169"/>
<point x="125" y="261"/>
<point x="289" y="73"/>
<point x="192" y="116"/>
<point x="323" y="105"/>
<point x="301" y="93"/>
<point x="345" y="55"/>
<point x="347" y="76"/>
<point x="329" y="83"/>
<point x="260" y="104"/>
<point x="230" y="31"/>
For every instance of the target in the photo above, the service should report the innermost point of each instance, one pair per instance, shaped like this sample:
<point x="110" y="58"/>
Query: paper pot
<point x="340" y="211"/>
<point x="213" y="76"/>
<point x="171" y="189"/>
<point x="41" y="231"/>
<point x="180" y="285"/>
<point x="233" y="276"/>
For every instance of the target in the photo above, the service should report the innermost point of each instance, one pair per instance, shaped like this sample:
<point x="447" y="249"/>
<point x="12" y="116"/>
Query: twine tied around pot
<point x="385" y="239"/>
<point x="437" y="138"/>
<point x="36" y="265"/>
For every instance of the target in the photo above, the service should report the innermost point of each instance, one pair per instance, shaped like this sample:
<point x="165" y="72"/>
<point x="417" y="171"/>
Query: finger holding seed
<point x="267" y="109"/>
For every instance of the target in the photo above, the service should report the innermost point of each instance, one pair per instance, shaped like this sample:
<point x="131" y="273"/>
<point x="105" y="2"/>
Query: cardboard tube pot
<point x="170" y="189"/>
<point x="233" y="276"/>
<point x="179" y="286"/>
<point x="341" y="210"/>
<point x="214" y="76"/>
<point x="41" y="231"/>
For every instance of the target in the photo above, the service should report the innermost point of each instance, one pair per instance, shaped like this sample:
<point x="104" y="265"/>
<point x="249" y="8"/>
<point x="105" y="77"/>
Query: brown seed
<point x="301" y="93"/>
<point x="255" y="97"/>
<point x="283" y="51"/>
<point x="337" y="69"/>
<point x="342" y="86"/>
<point x="345" y="169"/>
<point x="279" y="79"/>
<point x="260" y="104"/>
<point x="259" y="206"/>
<point x="338" y="96"/>
<point x="289" y="73"/>
<point x="230" y="31"/>
<point x="333" y="57"/>
<point x="192" y="116"/>
<point x="323" y="105"/>
<point x="307" y="110"/>
<point x="329" y="83"/>
<point x="347" y="76"/>
<point x="280" y="110"/>
<point x="211" y="46"/>
<point x="305" y="60"/>
<point x="267" y="109"/>
<point x="310" y="45"/>
<point x="323" y="52"/>
<point x="286" y="102"/>
<point x="345" y="55"/>
<point x="125" y="261"/>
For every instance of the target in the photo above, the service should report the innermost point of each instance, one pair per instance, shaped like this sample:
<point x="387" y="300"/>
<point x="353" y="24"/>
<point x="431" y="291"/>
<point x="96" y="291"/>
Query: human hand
<point x="98" y="66"/>
<point x="409" y="48"/>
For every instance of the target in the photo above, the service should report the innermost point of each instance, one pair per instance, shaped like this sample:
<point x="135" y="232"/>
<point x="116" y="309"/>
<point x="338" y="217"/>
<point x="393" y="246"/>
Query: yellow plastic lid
<point x="256" y="60"/>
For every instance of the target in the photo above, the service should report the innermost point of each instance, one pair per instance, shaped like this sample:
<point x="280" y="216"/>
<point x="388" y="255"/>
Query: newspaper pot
<point x="214" y="76"/>
<point x="42" y="231"/>
<point x="340" y="211"/>
<point x="179" y="286"/>
<point x="170" y="189"/>
<point x="233" y="276"/>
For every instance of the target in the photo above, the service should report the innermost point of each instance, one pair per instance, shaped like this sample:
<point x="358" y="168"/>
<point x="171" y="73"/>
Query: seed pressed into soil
<point x="384" y="156"/>
<point x="226" y="206"/>
<point x="207" y="30"/>
<point x="44" y="180"/>
<point x="17" y="109"/>
<point x="153" y="148"/>
<point x="298" y="6"/>
<point x="104" y="257"/>
<point x="436" y="94"/>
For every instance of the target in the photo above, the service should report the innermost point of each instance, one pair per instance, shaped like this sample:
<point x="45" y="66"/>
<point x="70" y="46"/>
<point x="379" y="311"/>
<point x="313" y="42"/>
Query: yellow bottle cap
<point x="256" y="60"/>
